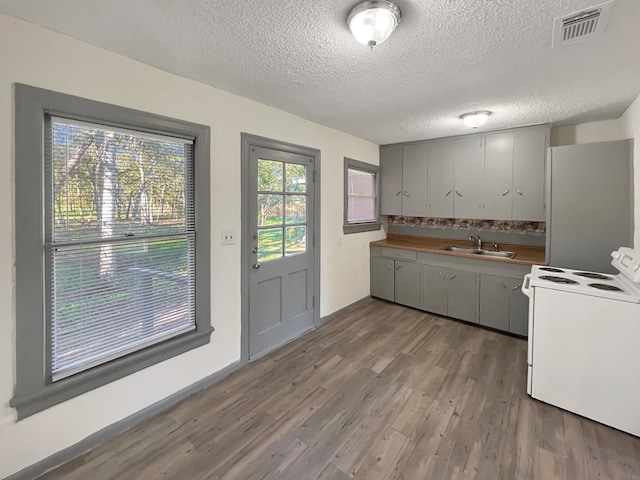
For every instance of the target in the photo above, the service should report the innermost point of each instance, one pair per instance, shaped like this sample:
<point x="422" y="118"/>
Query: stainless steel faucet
<point x="477" y="240"/>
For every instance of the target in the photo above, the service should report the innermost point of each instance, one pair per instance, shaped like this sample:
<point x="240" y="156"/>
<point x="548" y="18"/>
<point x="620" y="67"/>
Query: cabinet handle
<point x="452" y="277"/>
<point x="519" y="192"/>
<point x="398" y="267"/>
<point x="398" y="193"/>
<point x="458" y="193"/>
<point x="502" y="283"/>
<point x="448" y="193"/>
<point x="442" y="275"/>
<point x="505" y="193"/>
<point x="389" y="265"/>
<point x="406" y="194"/>
<point x="517" y="288"/>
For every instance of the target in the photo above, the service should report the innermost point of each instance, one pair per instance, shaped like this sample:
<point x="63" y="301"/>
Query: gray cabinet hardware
<point x="389" y="265"/>
<point x="519" y="192"/>
<point x="398" y="267"/>
<point x="254" y="250"/>
<point x="517" y="287"/>
<point x="406" y="194"/>
<point x="458" y="193"/>
<point x="452" y="277"/>
<point x="256" y="266"/>
<point x="442" y="274"/>
<point x="506" y="193"/>
<point x="502" y="283"/>
<point x="448" y="193"/>
<point x="398" y="193"/>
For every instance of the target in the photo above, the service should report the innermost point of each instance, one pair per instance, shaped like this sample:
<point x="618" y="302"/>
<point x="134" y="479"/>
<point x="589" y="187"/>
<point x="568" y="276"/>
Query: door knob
<point x="256" y="266"/>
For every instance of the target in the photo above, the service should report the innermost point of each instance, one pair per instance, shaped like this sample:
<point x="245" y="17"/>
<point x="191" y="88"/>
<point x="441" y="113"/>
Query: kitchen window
<point x="361" y="197"/>
<point x="112" y="254"/>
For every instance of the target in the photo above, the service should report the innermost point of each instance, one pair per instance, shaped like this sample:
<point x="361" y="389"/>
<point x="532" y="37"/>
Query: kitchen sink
<point x="478" y="251"/>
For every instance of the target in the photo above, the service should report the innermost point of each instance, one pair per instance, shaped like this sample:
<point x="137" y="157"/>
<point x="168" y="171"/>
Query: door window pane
<point x="296" y="209"/>
<point x="296" y="178"/>
<point x="269" y="176"/>
<point x="270" y="209"/>
<point x="295" y="240"/>
<point x="269" y="244"/>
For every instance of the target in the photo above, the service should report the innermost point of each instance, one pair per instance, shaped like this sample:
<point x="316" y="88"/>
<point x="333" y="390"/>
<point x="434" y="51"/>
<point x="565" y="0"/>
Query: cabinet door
<point x="518" y="309"/>
<point x="434" y="289"/>
<point x="494" y="301"/>
<point x="461" y="302"/>
<point x="408" y="283"/>
<point x="440" y="178"/>
<point x="414" y="180"/>
<point x="529" y="150"/>
<point x="382" y="278"/>
<point x="391" y="180"/>
<point x="498" y="162"/>
<point x="469" y="166"/>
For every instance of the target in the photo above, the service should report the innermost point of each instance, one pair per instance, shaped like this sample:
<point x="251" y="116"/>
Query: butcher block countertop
<point x="525" y="255"/>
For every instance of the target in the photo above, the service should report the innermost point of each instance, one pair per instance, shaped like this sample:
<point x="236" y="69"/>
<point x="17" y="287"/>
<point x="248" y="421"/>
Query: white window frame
<point x="357" y="227"/>
<point x="35" y="389"/>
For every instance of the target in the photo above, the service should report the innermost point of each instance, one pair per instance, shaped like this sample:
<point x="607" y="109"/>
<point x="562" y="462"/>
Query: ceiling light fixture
<point x="372" y="22"/>
<point x="475" y="119"/>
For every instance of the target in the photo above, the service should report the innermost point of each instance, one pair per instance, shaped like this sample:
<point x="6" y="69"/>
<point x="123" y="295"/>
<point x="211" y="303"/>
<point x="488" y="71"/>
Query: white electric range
<point x="584" y="340"/>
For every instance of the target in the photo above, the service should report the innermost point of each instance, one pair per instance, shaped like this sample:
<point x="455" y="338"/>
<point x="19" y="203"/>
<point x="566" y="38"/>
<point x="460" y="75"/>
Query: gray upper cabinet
<point x="529" y="150"/>
<point x="414" y="180"/>
<point x="403" y="175"/>
<point x="408" y="283"/>
<point x="468" y="169"/>
<point x="391" y="180"/>
<point x="382" y="284"/>
<point x="498" y="168"/>
<point x="440" y="175"/>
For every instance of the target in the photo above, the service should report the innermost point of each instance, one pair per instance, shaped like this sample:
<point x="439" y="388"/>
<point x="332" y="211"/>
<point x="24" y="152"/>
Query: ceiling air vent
<point x="578" y="26"/>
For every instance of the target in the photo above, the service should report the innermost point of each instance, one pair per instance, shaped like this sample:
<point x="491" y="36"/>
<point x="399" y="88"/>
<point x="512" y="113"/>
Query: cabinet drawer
<point x="398" y="253"/>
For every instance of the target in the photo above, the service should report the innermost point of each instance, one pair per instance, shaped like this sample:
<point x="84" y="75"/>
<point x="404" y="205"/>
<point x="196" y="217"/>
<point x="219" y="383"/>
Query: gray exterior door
<point x="282" y="257"/>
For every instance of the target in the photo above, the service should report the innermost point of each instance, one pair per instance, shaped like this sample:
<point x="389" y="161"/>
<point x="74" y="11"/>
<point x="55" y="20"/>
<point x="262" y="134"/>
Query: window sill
<point x="68" y="388"/>
<point x="361" y="227"/>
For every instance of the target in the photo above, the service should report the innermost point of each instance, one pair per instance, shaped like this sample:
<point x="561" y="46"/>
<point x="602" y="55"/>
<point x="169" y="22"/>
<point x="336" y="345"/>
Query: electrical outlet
<point x="228" y="237"/>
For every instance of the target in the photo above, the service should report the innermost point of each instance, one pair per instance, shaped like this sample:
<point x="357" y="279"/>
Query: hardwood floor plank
<point x="381" y="392"/>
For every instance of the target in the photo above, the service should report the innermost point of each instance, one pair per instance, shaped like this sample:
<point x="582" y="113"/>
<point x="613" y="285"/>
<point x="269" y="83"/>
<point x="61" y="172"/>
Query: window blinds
<point x="119" y="244"/>
<point x="361" y="196"/>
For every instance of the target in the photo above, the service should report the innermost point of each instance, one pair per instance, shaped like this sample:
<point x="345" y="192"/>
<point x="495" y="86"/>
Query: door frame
<point x="248" y="141"/>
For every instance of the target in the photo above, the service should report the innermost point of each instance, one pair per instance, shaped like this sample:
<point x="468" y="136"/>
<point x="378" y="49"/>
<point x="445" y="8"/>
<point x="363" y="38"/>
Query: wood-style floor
<point x="382" y="392"/>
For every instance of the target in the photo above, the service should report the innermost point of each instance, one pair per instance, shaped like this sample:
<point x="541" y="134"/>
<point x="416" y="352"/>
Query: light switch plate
<point x="228" y="237"/>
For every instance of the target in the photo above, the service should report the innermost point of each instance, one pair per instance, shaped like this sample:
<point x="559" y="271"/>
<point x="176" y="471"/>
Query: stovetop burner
<point x="553" y="278"/>
<point x="603" y="286"/>
<point x="552" y="270"/>
<point x="593" y="276"/>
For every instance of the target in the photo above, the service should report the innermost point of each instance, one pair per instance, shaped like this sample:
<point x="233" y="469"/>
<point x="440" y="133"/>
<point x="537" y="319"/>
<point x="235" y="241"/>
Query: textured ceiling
<point x="447" y="57"/>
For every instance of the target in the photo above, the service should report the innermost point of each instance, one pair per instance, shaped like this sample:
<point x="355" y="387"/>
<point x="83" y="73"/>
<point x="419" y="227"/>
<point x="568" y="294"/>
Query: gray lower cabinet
<point x="408" y="283"/>
<point x="449" y="292"/>
<point x="461" y="301"/>
<point x="472" y="290"/>
<point x="382" y="283"/>
<point x="503" y="306"/>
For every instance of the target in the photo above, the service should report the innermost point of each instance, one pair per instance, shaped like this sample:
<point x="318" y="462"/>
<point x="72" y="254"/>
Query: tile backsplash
<point x="502" y="226"/>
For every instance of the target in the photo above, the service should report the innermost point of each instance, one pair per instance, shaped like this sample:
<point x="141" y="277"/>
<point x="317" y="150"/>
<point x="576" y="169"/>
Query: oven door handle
<point x="526" y="285"/>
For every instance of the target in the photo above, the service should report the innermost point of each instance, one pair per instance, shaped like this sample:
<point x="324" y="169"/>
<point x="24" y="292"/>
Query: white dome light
<point x="372" y="22"/>
<point x="475" y="119"/>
